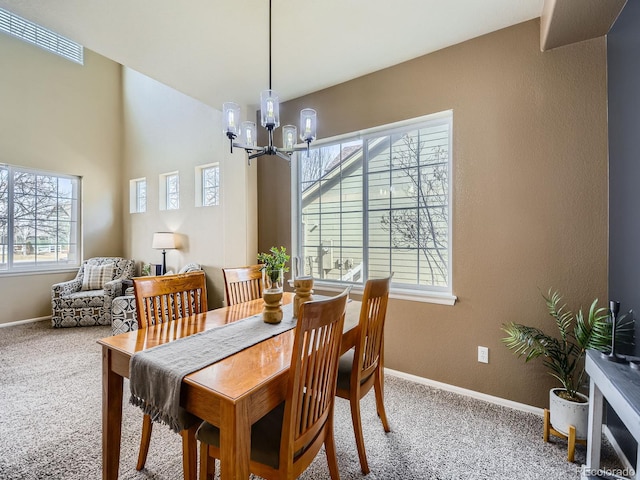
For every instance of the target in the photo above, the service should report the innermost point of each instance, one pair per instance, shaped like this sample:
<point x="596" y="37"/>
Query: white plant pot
<point x="564" y="413"/>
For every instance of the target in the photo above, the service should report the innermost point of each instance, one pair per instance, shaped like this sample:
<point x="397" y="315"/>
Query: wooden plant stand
<point x="571" y="438"/>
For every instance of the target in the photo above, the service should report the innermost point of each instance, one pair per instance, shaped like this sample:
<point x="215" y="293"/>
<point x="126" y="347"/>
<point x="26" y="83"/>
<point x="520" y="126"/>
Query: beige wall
<point x="529" y="195"/>
<point x="167" y="131"/>
<point x="62" y="117"/>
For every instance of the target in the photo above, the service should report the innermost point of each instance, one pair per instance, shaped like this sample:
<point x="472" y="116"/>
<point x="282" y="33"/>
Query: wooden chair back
<point x="308" y="415"/>
<point x="373" y="313"/>
<point x="168" y="297"/>
<point x="242" y="284"/>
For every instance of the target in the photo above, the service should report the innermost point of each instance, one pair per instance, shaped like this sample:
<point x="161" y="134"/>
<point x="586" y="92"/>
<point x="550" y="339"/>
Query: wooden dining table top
<point x="232" y="393"/>
<point x="237" y="374"/>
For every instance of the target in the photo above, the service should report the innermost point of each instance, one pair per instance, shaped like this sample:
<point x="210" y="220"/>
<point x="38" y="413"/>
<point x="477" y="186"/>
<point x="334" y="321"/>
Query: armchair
<point x="73" y="306"/>
<point x="123" y="309"/>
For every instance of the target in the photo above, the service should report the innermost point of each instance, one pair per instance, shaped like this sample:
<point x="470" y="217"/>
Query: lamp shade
<point x="164" y="240"/>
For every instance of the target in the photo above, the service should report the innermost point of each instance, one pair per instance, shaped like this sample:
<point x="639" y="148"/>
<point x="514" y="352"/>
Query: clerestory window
<point x="138" y="195"/>
<point x="35" y="34"/>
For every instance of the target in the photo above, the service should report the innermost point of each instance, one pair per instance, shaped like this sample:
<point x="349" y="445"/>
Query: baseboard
<point x="616" y="447"/>
<point x="22" y="322"/>
<point x="466" y="392"/>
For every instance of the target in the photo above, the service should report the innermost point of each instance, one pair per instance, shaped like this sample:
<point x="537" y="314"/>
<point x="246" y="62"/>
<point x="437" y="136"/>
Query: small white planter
<point x="564" y="413"/>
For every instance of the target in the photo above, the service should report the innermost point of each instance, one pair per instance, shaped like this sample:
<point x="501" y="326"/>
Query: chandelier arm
<point x="258" y="153"/>
<point x="240" y="145"/>
<point x="283" y="155"/>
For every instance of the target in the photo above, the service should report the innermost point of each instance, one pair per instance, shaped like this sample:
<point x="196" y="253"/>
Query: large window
<point x="378" y="203"/>
<point x="39" y="219"/>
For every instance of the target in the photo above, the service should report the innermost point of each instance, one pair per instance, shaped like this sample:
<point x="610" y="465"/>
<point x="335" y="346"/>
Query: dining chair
<point x="361" y="367"/>
<point x="242" y="284"/>
<point x="159" y="300"/>
<point x="287" y="439"/>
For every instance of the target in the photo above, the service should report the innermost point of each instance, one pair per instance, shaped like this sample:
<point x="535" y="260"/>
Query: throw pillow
<point x="95" y="276"/>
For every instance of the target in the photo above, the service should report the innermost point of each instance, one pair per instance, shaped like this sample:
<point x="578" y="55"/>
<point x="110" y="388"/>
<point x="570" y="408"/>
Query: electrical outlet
<point x="483" y="354"/>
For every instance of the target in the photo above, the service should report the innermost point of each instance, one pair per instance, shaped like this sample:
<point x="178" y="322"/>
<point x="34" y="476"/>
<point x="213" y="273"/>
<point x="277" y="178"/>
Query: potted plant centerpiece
<point x="274" y="267"/>
<point x="273" y="270"/>
<point x="564" y="355"/>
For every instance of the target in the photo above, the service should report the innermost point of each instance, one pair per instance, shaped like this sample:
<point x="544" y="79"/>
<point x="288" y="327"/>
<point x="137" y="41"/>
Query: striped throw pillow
<point x="95" y="276"/>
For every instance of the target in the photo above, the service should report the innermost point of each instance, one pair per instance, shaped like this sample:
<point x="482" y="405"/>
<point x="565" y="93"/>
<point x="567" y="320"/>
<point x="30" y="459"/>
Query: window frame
<point x="439" y="295"/>
<point x="201" y="189"/>
<point x="135" y="197"/>
<point x="75" y="225"/>
<point x="164" y="190"/>
<point x="37" y="35"/>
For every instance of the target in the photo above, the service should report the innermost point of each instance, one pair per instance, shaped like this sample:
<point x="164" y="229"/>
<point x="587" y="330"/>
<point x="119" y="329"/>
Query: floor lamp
<point x="164" y="241"/>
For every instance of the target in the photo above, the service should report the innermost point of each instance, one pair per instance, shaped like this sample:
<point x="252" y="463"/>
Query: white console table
<point x="620" y="385"/>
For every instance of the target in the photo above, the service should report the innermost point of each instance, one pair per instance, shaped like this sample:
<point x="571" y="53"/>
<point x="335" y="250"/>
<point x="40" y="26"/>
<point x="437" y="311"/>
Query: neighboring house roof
<point x="344" y="164"/>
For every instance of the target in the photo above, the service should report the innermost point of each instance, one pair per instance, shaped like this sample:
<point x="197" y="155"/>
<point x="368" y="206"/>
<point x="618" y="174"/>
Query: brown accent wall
<point x="529" y="195"/>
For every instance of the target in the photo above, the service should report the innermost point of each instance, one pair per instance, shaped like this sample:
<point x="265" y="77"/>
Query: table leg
<point x="235" y="440"/>
<point x="111" y="417"/>
<point x="594" y="432"/>
<point x="189" y="453"/>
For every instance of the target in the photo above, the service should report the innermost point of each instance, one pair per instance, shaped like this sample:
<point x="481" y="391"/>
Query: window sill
<point x="25" y="273"/>
<point x="395" y="293"/>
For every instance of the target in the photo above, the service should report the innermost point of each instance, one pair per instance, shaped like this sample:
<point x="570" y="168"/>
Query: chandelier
<point x="245" y="132"/>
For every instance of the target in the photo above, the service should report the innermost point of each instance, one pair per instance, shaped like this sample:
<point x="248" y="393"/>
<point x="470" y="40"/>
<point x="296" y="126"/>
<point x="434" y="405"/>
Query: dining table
<point x="232" y="393"/>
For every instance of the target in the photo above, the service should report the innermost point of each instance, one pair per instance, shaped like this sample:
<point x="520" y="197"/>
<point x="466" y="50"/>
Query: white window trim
<point x="199" y="177"/>
<point x="431" y="296"/>
<point x="162" y="190"/>
<point x="15" y="269"/>
<point x="133" y="194"/>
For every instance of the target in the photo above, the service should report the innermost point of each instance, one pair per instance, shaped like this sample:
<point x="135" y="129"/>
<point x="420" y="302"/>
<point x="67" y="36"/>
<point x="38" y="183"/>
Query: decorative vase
<point x="273" y="280"/>
<point x="272" y="311"/>
<point x="565" y="412"/>
<point x="303" y="288"/>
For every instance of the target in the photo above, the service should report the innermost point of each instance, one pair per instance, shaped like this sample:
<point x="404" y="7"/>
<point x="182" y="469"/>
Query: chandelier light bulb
<point x="289" y="135"/>
<point x="270" y="109"/>
<point x="231" y="116"/>
<point x="308" y="119"/>
<point x="248" y="134"/>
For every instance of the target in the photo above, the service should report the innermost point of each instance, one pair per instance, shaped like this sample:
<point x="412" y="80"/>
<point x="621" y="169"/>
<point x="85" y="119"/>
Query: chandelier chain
<point x="269" y="44"/>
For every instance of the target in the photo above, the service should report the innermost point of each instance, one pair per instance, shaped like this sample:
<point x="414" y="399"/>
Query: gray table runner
<point x="156" y="375"/>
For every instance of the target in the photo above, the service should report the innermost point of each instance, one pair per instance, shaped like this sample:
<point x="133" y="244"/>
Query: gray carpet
<point x="50" y="425"/>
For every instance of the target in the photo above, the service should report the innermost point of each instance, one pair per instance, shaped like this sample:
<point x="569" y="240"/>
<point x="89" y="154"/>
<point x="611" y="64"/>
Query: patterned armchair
<point x="86" y="300"/>
<point x="123" y="309"/>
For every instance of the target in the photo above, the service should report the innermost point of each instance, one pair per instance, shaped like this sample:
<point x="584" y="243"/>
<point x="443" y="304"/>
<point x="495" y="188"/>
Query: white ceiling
<point x="217" y="51"/>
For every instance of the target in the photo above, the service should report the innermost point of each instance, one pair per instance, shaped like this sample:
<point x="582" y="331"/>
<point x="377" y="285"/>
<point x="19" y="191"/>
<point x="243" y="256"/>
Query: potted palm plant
<point x="564" y="354"/>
